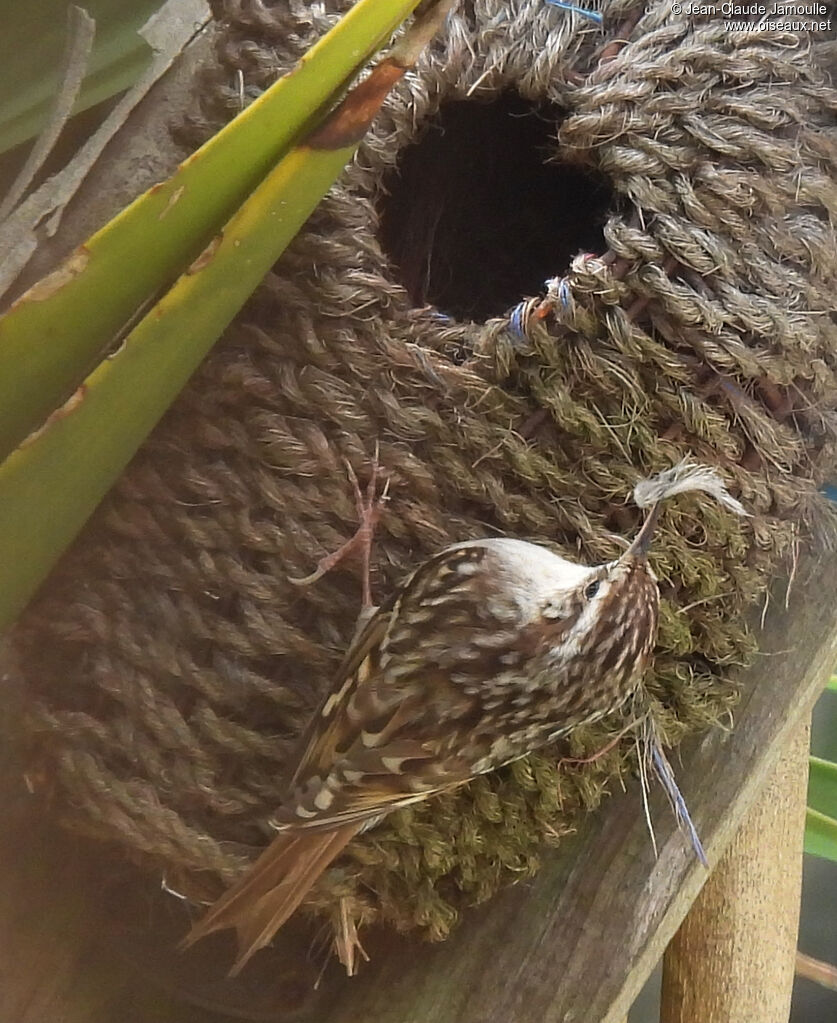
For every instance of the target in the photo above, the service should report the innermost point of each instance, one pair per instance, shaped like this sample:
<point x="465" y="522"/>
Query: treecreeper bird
<point x="490" y="649"/>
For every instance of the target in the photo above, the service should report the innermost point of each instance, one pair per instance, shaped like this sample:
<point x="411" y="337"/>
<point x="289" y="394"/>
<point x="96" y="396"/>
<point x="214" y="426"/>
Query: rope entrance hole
<point x="479" y="212"/>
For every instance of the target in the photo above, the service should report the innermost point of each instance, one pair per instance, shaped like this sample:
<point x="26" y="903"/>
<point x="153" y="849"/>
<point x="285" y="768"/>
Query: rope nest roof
<point x="169" y="662"/>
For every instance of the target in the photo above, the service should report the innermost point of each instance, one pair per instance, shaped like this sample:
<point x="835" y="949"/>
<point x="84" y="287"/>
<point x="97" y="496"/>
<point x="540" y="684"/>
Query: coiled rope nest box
<point x="169" y="663"/>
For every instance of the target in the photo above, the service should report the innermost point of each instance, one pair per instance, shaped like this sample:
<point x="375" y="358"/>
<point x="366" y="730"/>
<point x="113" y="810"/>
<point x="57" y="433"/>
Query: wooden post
<point x="732" y="960"/>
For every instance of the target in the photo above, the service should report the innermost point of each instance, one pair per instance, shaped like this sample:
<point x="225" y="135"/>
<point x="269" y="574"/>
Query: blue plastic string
<point x="558" y="288"/>
<point x="591" y="15"/>
<point x="517" y="321"/>
<point x="681" y="811"/>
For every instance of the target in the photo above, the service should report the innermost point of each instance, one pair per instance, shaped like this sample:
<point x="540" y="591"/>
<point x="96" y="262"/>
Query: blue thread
<point x="681" y="811"/>
<point x="517" y="321"/>
<point x="559" y="292"/>
<point x="591" y="15"/>
<point x="830" y="491"/>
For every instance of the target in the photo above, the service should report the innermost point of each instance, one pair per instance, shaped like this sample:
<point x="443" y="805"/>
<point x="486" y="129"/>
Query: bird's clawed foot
<point x="369" y="506"/>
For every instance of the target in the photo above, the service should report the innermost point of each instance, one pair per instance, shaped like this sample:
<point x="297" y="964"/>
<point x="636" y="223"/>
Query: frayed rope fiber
<point x="169" y="663"/>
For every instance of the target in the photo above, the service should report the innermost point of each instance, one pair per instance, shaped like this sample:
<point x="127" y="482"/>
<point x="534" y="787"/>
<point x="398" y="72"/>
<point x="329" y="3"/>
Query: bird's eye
<point x="592" y="589"/>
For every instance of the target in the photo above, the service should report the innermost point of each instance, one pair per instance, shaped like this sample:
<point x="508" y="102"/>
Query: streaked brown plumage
<point x="489" y="650"/>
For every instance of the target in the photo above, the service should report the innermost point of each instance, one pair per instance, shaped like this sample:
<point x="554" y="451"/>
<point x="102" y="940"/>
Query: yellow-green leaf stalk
<point x="53" y="336"/>
<point x="51" y="483"/>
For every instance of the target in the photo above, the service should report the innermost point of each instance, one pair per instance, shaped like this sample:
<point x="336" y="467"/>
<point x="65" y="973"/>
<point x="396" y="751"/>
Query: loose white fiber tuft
<point x="681" y="478"/>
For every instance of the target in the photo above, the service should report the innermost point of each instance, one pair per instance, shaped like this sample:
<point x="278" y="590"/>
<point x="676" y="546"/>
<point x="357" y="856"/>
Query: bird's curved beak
<point x="642" y="541"/>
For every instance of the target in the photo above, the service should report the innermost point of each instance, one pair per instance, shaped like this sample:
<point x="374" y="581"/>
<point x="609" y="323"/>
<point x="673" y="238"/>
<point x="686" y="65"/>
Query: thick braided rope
<point x="169" y="663"/>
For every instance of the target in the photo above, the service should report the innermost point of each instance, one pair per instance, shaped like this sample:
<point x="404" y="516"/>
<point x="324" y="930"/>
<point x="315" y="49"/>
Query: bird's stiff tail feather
<point x="272" y="889"/>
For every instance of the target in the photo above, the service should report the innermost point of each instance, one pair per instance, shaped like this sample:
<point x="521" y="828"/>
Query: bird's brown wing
<point x="324" y="732"/>
<point x="369" y="754"/>
<point x="387" y="734"/>
<point x="360" y="782"/>
<point x="376" y="742"/>
<point x="390" y="732"/>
